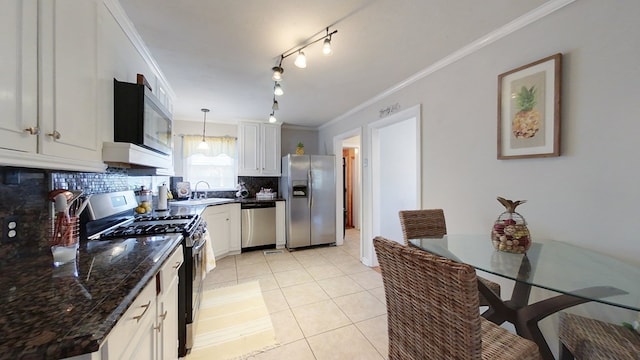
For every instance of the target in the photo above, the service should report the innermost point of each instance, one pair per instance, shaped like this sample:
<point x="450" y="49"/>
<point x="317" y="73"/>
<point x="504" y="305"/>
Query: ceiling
<point x="218" y="54"/>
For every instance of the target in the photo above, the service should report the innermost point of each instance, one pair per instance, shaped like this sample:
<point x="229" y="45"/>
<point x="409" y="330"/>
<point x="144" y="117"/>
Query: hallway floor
<point x="324" y="303"/>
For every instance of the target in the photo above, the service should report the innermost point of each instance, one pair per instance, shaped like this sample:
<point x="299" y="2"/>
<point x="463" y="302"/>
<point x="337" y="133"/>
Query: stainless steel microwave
<point x="140" y="118"/>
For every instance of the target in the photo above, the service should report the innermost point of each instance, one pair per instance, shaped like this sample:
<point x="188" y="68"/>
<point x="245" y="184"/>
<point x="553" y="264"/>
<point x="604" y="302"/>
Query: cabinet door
<point x="18" y="74"/>
<point x="217" y="218"/>
<point x="145" y="348"/>
<point x="234" y="224"/>
<point x="271" y="150"/>
<point x="248" y="149"/>
<point x="133" y="336"/>
<point x="167" y="316"/>
<point x="69" y="81"/>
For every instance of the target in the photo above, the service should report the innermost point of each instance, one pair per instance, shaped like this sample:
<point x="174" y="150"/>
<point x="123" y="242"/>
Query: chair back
<point x="432" y="304"/>
<point x="422" y="223"/>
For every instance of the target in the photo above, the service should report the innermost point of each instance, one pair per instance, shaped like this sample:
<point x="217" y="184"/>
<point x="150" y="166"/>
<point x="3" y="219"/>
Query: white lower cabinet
<point x="281" y="237"/>
<point x="149" y="328"/>
<point x="167" y="308"/>
<point x="223" y="223"/>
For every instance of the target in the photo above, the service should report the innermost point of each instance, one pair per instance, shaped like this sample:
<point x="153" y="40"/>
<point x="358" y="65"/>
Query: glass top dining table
<point x="579" y="275"/>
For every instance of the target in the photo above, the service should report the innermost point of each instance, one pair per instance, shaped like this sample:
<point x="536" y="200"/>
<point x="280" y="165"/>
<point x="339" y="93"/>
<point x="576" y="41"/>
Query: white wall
<point x="291" y="135"/>
<point x="588" y="196"/>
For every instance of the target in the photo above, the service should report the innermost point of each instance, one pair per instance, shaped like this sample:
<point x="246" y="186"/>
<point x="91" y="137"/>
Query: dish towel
<point x="209" y="257"/>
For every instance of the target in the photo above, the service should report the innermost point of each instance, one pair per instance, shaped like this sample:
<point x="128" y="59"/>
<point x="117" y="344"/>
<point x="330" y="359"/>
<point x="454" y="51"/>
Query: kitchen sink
<point x="195" y="202"/>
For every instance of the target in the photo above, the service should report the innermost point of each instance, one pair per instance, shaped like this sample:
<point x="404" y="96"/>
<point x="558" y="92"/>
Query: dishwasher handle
<point x="258" y="205"/>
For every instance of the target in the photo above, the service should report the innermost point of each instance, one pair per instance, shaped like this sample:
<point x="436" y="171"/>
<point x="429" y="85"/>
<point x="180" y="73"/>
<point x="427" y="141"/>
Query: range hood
<point x="130" y="156"/>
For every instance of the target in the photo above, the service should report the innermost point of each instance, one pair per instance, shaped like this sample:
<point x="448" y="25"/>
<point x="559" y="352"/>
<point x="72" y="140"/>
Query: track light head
<point x="277" y="73"/>
<point x="277" y="90"/>
<point x="272" y="118"/>
<point x="275" y="105"/>
<point x="326" y="46"/>
<point x="301" y="60"/>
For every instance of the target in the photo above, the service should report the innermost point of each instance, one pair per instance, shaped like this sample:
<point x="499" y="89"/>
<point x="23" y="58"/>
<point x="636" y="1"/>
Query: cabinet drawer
<point x="132" y="322"/>
<point x="169" y="270"/>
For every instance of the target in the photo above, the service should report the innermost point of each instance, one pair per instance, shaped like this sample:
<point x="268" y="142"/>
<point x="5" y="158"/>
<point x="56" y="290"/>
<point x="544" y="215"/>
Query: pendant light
<point x="272" y="117"/>
<point x="203" y="145"/>
<point x="275" y="105"/>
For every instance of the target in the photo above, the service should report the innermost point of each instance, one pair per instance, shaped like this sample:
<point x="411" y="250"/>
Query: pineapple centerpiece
<point x="526" y="123"/>
<point x="510" y="232"/>
<point x="300" y="149"/>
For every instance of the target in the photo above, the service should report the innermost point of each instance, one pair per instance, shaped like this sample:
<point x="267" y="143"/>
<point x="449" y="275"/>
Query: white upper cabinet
<point x="69" y="68"/>
<point x="19" y="75"/>
<point x="58" y="62"/>
<point x="51" y="122"/>
<point x="258" y="149"/>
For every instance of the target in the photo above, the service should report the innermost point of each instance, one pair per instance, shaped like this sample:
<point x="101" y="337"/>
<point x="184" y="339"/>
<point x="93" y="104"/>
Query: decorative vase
<point x="510" y="232"/>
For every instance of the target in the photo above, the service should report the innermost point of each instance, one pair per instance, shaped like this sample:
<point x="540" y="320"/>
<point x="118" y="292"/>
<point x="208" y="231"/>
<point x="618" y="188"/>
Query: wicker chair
<point x="432" y="310"/>
<point x="591" y="339"/>
<point x="424" y="223"/>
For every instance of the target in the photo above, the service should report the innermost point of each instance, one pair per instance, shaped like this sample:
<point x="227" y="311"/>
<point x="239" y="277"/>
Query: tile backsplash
<point x="24" y="199"/>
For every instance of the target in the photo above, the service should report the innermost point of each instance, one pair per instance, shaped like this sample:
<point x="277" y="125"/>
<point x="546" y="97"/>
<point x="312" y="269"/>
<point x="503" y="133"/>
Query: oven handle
<point x="198" y="246"/>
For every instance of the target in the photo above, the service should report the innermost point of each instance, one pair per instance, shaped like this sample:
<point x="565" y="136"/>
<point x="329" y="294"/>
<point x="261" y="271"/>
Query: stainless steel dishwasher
<point x="258" y="224"/>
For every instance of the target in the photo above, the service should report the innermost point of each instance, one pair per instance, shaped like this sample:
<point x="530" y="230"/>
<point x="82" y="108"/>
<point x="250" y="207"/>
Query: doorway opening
<point x="349" y="195"/>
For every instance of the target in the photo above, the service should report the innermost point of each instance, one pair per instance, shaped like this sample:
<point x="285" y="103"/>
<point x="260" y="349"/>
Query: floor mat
<point x="233" y="323"/>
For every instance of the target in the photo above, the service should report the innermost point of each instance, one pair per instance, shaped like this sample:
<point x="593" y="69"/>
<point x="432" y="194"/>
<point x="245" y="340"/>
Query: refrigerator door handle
<point x="309" y="189"/>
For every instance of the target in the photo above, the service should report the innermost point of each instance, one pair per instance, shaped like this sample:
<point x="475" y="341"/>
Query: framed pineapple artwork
<point x="529" y="110"/>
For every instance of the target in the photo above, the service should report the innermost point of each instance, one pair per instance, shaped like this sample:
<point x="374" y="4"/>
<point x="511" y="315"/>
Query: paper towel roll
<point x="162" y="197"/>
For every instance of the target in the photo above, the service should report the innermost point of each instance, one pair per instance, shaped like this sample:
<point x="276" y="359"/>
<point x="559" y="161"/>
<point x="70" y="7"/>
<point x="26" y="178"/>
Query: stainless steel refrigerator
<point x="308" y="184"/>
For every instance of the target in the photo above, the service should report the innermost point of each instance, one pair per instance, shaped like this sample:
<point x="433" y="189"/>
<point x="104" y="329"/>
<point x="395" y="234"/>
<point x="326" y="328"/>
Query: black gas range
<point x="111" y="217"/>
<point x="154" y="225"/>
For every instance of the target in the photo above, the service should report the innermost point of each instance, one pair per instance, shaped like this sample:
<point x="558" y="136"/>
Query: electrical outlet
<point x="10" y="228"/>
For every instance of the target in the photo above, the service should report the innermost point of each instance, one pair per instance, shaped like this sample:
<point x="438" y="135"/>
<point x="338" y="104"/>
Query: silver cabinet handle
<point x="162" y="317"/>
<point x="32" y="130"/>
<point x="146" y="307"/>
<point x="55" y="134"/>
<point x="177" y="265"/>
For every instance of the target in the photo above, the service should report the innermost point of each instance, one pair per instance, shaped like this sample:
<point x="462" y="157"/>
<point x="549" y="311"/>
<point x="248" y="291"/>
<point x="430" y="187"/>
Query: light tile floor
<point x="324" y="303"/>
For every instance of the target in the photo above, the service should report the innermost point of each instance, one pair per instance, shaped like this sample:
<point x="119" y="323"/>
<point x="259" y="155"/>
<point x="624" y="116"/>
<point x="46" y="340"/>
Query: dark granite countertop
<point x="52" y="313"/>
<point x="57" y="312"/>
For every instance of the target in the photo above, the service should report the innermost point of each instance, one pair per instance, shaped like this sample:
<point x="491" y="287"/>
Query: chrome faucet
<point x="195" y="191"/>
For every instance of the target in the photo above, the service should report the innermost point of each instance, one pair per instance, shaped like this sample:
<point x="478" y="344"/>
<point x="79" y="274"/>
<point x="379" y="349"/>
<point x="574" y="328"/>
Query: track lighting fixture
<point x="301" y="62"/>
<point x="277" y="90"/>
<point x="203" y="145"/>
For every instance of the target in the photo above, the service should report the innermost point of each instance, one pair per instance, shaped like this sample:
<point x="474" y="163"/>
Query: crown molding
<point x="507" y="29"/>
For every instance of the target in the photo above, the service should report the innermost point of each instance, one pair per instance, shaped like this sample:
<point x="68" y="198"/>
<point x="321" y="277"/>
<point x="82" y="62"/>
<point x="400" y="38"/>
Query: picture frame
<point x="529" y="110"/>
